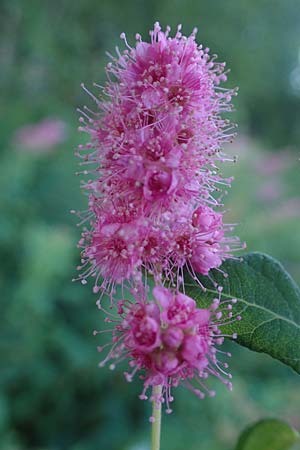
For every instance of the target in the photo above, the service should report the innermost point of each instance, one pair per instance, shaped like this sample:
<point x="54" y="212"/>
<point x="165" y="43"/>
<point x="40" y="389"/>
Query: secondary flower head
<point x="171" y="341"/>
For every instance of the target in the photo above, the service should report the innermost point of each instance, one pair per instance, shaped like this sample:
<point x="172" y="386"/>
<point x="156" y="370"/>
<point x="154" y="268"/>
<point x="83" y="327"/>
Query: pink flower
<point x="171" y="341"/>
<point x="159" y="183"/>
<point x="154" y="143"/>
<point x="116" y="249"/>
<point x="206" y="256"/>
<point x="194" y="350"/>
<point x="173" y="337"/>
<point x="206" y="220"/>
<point x="154" y="208"/>
<point x="177" y="309"/>
<point x="145" y="331"/>
<point x="42" y="136"/>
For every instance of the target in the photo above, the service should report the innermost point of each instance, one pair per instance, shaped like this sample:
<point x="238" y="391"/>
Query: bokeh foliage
<point x="52" y="395"/>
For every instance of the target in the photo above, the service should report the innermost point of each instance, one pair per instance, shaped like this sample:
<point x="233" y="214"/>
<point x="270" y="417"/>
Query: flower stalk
<point x="156" y="417"/>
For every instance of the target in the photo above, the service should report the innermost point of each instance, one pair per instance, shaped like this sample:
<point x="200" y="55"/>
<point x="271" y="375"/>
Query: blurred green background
<point x="53" y="396"/>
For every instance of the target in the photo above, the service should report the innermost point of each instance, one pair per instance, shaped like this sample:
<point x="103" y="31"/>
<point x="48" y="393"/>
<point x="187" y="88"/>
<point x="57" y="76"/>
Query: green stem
<point x="156" y="418"/>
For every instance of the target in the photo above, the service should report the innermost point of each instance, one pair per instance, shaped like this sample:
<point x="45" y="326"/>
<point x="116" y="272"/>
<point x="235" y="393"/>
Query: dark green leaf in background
<point x="269" y="434"/>
<point x="268" y="300"/>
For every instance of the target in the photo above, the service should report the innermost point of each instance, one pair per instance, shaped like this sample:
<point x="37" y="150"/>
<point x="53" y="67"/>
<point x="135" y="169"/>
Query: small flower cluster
<point x="155" y="141"/>
<point x="172" y="341"/>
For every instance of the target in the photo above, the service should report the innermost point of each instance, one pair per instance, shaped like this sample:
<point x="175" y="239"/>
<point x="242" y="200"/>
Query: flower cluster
<point x="154" y="202"/>
<point x="172" y="341"/>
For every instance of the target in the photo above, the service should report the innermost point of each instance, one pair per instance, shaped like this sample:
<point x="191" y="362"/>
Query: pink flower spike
<point x="155" y="140"/>
<point x="155" y="210"/>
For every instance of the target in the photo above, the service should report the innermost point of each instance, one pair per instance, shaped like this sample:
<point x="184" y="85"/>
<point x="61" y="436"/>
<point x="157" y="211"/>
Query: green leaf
<point x="268" y="301"/>
<point x="269" y="434"/>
